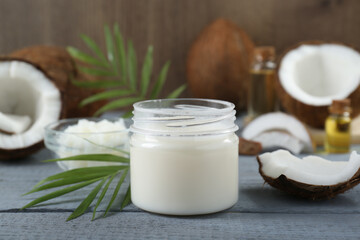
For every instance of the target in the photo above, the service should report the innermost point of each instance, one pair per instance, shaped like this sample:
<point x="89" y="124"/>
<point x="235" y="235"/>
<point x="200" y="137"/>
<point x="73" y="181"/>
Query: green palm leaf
<point x="116" y="191"/>
<point x="121" y="65"/>
<point x="146" y="71"/>
<point x="80" y="172"/>
<point x="102" y="195"/>
<point x="128" y="114"/>
<point x="121" y="51"/>
<point x="96" y="71"/>
<point x="106" y="95"/>
<point x="123" y="152"/>
<point x="68" y="181"/>
<point x="160" y="81"/>
<point x="176" y="93"/>
<point x="118" y="104"/>
<point x="127" y="198"/>
<point x="85" y="176"/>
<point x="97" y="84"/>
<point x="87" y="201"/>
<point x="59" y="193"/>
<point x="94" y="47"/>
<point x="93" y="157"/>
<point x="110" y="48"/>
<point x="75" y="53"/>
<point x="132" y="66"/>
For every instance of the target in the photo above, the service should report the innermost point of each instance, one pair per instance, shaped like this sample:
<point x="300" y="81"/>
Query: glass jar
<point x="78" y="136"/>
<point x="184" y="156"/>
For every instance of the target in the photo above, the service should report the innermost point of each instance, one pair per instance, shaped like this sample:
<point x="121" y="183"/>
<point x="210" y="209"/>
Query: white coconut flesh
<point x="14" y="123"/>
<point x="28" y="102"/>
<point x="317" y="74"/>
<point x="278" y="139"/>
<point x="279" y="130"/>
<point x="311" y="170"/>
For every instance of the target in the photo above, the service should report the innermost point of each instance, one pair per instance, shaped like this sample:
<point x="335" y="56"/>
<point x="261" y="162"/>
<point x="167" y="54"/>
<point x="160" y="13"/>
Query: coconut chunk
<point x="310" y="177"/>
<point x="279" y="130"/>
<point x="11" y="123"/>
<point x="278" y="139"/>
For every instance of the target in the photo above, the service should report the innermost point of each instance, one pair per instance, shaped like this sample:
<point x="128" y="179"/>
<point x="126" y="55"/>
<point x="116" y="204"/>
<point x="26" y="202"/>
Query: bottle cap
<point x="264" y="53"/>
<point x="340" y="106"/>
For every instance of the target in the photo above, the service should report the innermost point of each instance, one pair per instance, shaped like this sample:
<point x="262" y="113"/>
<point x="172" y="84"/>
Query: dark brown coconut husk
<point x="218" y="63"/>
<point x="312" y="115"/>
<point x="60" y="68"/>
<point x="247" y="147"/>
<point x="312" y="192"/>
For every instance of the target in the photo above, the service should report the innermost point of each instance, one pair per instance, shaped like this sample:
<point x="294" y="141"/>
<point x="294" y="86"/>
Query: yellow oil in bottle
<point x="337" y="127"/>
<point x="261" y="92"/>
<point x="261" y="95"/>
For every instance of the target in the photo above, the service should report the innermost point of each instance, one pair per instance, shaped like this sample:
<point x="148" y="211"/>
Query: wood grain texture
<point x="172" y="25"/>
<point x="149" y="226"/>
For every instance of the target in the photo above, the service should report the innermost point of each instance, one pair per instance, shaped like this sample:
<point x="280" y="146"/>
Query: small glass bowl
<point x="66" y="144"/>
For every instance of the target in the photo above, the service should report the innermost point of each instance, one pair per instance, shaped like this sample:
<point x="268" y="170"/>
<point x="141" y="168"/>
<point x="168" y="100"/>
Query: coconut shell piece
<point x="218" y="63"/>
<point x="247" y="147"/>
<point x="308" y="191"/>
<point x="279" y="130"/>
<point x="314" y="116"/>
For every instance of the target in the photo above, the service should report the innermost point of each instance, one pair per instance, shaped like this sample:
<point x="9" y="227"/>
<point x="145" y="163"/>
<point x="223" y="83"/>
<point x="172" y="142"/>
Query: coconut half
<point x="36" y="89"/>
<point x="28" y="102"/>
<point x="279" y="130"/>
<point x="311" y="177"/>
<point x="312" y="74"/>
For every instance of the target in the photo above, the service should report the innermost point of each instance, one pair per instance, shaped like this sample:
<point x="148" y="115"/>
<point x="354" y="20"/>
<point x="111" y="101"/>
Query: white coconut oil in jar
<point x="184" y="156"/>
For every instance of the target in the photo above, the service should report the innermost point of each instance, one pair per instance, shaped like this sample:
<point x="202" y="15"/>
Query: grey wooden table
<point x="260" y="213"/>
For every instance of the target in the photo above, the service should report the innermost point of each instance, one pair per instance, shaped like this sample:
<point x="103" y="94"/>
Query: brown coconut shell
<point x="307" y="191"/>
<point x="314" y="116"/>
<point x="218" y="63"/>
<point x="60" y="68"/>
<point x="247" y="147"/>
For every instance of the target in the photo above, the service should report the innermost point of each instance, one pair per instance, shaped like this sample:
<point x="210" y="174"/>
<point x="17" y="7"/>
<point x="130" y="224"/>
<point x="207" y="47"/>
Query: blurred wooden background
<point x="172" y="25"/>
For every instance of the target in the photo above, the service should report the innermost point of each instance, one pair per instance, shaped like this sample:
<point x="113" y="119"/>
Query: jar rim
<point x="228" y="106"/>
<point x="183" y="117"/>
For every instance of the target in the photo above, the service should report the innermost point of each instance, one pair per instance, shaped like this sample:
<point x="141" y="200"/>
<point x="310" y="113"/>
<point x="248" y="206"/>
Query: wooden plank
<point x="143" y="225"/>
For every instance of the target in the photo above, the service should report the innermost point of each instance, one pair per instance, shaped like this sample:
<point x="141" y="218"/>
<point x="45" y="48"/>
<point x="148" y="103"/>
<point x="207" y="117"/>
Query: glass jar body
<point x="184" y="175"/>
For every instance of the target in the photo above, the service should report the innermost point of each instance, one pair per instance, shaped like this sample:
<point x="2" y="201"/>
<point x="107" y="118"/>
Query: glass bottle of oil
<point x="261" y="94"/>
<point x="337" y="127"/>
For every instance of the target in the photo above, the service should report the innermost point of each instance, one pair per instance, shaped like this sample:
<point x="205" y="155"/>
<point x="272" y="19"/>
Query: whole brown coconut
<point x="218" y="63"/>
<point x="311" y="113"/>
<point x="58" y="66"/>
